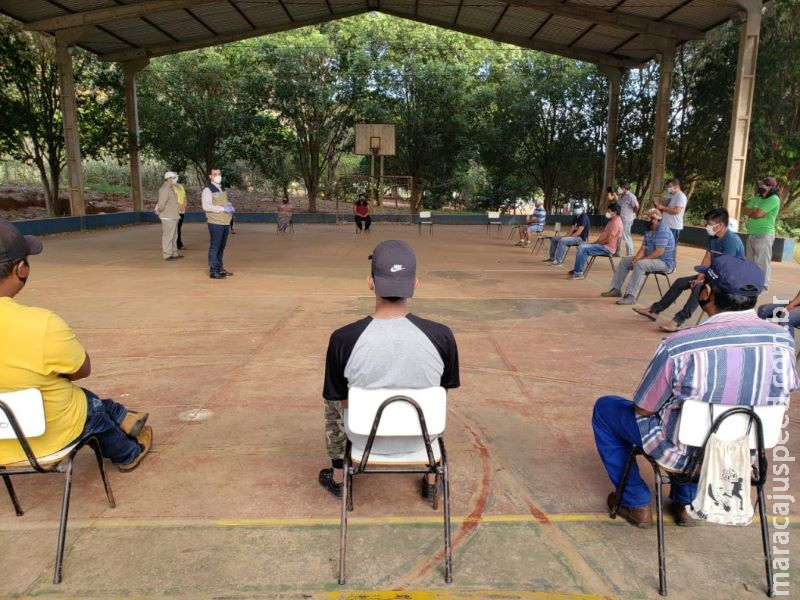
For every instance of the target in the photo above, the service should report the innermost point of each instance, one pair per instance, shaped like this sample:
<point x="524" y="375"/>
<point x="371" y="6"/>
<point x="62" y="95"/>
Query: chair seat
<point x="50" y="459"/>
<point x="407" y="457"/>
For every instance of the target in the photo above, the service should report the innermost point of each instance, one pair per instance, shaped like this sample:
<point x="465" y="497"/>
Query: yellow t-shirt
<point x="36" y="347"/>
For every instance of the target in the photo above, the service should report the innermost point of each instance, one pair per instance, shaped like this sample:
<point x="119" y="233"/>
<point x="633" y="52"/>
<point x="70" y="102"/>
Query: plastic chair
<point x="698" y="420"/>
<point x="493" y="218"/>
<point x="22" y="417"/>
<point x="392" y="431"/>
<point x="425" y="218"/>
<point x="289" y="228"/>
<point x="541" y="239"/>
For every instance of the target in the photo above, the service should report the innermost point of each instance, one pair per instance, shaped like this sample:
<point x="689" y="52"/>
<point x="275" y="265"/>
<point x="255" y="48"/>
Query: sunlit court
<point x="231" y="372"/>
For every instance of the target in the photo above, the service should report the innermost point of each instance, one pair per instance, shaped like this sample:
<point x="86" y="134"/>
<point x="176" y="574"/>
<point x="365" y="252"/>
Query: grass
<point x="109" y="188"/>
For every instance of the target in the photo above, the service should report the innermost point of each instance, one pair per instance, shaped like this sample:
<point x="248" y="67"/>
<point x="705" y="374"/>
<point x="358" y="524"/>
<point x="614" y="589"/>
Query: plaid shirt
<point x="733" y="358"/>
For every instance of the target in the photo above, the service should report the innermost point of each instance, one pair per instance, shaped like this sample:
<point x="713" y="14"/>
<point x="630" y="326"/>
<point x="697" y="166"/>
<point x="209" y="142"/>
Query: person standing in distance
<point x="762" y="212"/>
<point x="674" y="208"/>
<point x="180" y="194"/>
<point x="219" y="213"/>
<point x="167" y="211"/>
<point x="629" y="207"/>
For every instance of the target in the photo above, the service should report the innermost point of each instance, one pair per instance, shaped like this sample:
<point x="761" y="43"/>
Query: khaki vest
<point x="218" y="198"/>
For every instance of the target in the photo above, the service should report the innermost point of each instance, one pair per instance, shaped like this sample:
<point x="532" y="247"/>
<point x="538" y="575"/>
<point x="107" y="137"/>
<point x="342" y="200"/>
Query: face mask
<point x="671" y="191"/>
<point x="217" y="179"/>
<point x="762" y="191"/>
<point x="578" y="211"/>
<point x="654" y="224"/>
<point x="712" y="229"/>
<point x="620" y="191"/>
<point x="608" y="215"/>
<point x="174" y="180"/>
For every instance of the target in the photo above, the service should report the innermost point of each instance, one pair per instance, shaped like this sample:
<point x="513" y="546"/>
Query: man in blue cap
<point x="733" y="358"/>
<point x="389" y="349"/>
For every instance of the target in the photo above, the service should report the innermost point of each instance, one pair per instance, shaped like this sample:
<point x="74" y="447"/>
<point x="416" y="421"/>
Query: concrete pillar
<point x="749" y="33"/>
<point x="660" y="130"/>
<point x="65" y="42"/>
<point x="130" y="69"/>
<point x="614" y="76"/>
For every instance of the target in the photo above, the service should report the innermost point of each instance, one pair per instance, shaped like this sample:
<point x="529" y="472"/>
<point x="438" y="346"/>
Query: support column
<point x="663" y="106"/>
<point x="130" y="69"/>
<point x="614" y="76"/>
<point x="749" y="33"/>
<point x="65" y="42"/>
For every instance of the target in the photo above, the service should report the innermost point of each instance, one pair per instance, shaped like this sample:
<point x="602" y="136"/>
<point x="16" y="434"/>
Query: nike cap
<point x="394" y="269"/>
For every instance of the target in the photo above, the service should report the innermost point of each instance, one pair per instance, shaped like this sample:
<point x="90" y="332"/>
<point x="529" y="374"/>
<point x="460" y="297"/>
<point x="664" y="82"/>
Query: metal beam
<point x="626" y="21"/>
<point x="165" y="49"/>
<point x="130" y="69"/>
<point x="541" y="45"/>
<point x="115" y="13"/>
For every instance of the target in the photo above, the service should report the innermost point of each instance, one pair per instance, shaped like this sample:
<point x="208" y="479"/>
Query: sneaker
<point x="171" y="258"/>
<point x="527" y="245"/>
<point x="547" y="260"/>
<point x="217" y="275"/>
<point x="520" y="243"/>
<point x="646" y="312"/>
<point x="226" y="273"/>
<point x="612" y="293"/>
<point x="145" y="439"/>
<point x="577" y="276"/>
<point x="133" y="422"/>
<point x="326" y="481"/>
<point x="556" y="264"/>
<point x="427" y="490"/>
<point x="627" y="300"/>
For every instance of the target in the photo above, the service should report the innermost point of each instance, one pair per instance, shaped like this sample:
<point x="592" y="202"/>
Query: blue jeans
<point x="584" y="252"/>
<point x="615" y="434"/>
<point x="676" y="233"/>
<point x="102" y="421"/>
<point x="673" y="293"/>
<point x="559" y="245"/>
<point x="218" y="235"/>
<point x="776" y="313"/>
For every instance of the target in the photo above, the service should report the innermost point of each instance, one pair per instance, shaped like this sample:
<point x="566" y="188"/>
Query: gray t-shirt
<point x="674" y="200"/>
<point x="628" y="205"/>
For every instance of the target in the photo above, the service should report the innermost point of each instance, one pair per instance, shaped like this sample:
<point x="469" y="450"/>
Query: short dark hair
<point x="718" y="215"/>
<point x="392" y="298"/>
<point x="609" y="190"/>
<point x="213" y="169"/>
<point x="614" y="207"/>
<point x="7" y="267"/>
<point x="286" y="201"/>
<point x="676" y="181"/>
<point x="624" y="184"/>
<point x="727" y="302"/>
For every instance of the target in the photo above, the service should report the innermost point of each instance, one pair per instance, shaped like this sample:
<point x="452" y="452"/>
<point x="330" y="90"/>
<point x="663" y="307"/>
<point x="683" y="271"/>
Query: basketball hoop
<point x="375" y="145"/>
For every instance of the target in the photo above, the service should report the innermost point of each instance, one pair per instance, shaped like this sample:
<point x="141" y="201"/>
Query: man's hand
<point x="699" y="280"/>
<point x="640" y="412"/>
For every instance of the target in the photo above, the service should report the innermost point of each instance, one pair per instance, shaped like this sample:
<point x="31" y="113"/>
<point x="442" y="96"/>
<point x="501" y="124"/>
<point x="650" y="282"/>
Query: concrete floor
<point x="231" y="371"/>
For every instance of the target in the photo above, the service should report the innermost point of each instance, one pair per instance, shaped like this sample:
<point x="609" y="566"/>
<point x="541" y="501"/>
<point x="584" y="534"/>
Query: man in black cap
<point x="39" y="350"/>
<point x="390" y="349"/>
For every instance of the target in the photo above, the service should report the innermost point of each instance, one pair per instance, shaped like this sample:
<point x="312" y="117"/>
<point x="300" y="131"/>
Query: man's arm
<point x="795" y="302"/>
<point x="83" y="372"/>
<point x="577" y="231"/>
<point x="654" y="254"/>
<point x="208" y="204"/>
<point x="672" y="210"/>
<point x="655" y="387"/>
<point x="753" y="213"/>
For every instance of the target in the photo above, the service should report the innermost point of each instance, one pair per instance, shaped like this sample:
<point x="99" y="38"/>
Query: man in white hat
<point x="168" y="211"/>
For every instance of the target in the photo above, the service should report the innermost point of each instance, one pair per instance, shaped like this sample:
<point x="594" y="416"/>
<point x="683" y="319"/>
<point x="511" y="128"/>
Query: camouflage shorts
<point x="335" y="437"/>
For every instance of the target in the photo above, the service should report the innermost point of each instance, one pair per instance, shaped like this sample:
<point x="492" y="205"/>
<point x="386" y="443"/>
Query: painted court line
<point x="458" y="595"/>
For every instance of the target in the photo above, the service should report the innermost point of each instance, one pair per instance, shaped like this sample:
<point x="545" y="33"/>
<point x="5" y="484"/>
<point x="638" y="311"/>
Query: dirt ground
<point x="228" y="504"/>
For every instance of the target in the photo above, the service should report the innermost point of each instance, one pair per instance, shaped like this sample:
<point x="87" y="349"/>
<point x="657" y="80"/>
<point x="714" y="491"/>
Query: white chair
<point x="393" y="431"/>
<point x="22" y="417"/>
<point x="493" y="218"/>
<point x="542" y="238"/>
<point x="698" y="420"/>
<point x="425" y="218"/>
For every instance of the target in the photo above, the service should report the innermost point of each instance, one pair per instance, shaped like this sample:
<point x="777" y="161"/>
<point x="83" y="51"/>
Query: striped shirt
<point x="730" y="359"/>
<point x="540" y="213"/>
<point x="661" y="238"/>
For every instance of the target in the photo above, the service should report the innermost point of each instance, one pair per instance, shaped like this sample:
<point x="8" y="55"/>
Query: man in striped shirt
<point x="534" y="224"/>
<point x="733" y="358"/>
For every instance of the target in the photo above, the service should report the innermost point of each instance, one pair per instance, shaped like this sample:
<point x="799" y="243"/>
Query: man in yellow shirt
<point x="39" y="350"/>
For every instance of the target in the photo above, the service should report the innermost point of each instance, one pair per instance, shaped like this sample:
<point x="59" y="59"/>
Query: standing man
<point x="39" y="350"/>
<point x="606" y="243"/>
<point x="762" y="211"/>
<point x="390" y="349"/>
<point x="180" y="194"/>
<point x="673" y="210"/>
<point x="577" y="235"/>
<point x="167" y="211"/>
<point x="629" y="207"/>
<point x="219" y="213"/>
<point x="734" y="358"/>
<point x="656" y="255"/>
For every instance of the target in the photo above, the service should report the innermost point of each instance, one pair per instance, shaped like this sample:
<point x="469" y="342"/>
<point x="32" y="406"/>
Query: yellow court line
<point x="458" y="595"/>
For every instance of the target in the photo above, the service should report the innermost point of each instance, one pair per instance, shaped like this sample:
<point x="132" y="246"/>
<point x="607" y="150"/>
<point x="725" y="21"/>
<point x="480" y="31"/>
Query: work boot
<point x="326" y="481"/>
<point x="682" y="516"/>
<point x="638" y="517"/>
<point x="133" y="422"/>
<point x="612" y="293"/>
<point x="145" y="439"/>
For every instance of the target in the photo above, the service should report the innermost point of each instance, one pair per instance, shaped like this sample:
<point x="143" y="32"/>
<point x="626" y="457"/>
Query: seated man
<point x="605" y="245"/>
<point x="733" y="358"/>
<point x="39" y="350"/>
<point x="721" y="241"/>
<point x="786" y="314"/>
<point x="533" y="225"/>
<point x="656" y="255"/>
<point x="577" y="235"/>
<point x="390" y="349"/>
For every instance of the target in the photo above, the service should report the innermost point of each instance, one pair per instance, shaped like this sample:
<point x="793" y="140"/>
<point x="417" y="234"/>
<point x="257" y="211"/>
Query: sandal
<point x="326" y="481"/>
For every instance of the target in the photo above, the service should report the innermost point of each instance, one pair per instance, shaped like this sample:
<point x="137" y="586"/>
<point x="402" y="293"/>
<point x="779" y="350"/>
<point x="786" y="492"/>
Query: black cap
<point x="14" y="246"/>
<point x="394" y="269"/>
<point x="734" y="275"/>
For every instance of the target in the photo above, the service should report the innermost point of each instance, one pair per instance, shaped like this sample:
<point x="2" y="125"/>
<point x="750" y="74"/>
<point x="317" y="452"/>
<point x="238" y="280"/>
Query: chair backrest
<point x="424" y="214"/>
<point x="28" y="409"/>
<point x="493" y="215"/>
<point x="697" y="418"/>
<point x="399" y="419"/>
<point x="557" y="227"/>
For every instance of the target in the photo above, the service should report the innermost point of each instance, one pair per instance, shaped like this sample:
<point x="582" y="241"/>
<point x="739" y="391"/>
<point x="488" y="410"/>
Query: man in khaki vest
<point x="219" y="213"/>
<point x="167" y="211"/>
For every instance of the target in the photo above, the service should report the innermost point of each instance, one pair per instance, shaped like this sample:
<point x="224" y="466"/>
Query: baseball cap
<point x="14" y="246"/>
<point x="170" y="174"/>
<point x="735" y="275"/>
<point x="770" y="182"/>
<point x="394" y="269"/>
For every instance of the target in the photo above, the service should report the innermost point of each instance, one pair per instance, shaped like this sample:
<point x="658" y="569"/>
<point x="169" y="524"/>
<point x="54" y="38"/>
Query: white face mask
<point x="578" y="211"/>
<point x="217" y="179"/>
<point x="620" y="191"/>
<point x="608" y="215"/>
<point x="712" y="229"/>
<point x="175" y="180"/>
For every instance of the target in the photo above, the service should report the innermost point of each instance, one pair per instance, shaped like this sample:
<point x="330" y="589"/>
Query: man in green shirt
<point x="762" y="211"/>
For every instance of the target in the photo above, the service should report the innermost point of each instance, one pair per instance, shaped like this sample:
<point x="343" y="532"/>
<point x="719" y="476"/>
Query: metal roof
<point x="623" y="33"/>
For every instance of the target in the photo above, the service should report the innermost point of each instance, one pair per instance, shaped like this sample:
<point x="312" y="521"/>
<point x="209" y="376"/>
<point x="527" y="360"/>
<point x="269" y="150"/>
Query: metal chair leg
<point x="95" y="445"/>
<point x="622" y="483"/>
<point x="62" y="527"/>
<point x="658" y="284"/>
<point x="13" y="495"/>
<point x="436" y="482"/>
<point x="765" y="541"/>
<point x="448" y="549"/>
<point x="343" y="525"/>
<point x="662" y="559"/>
